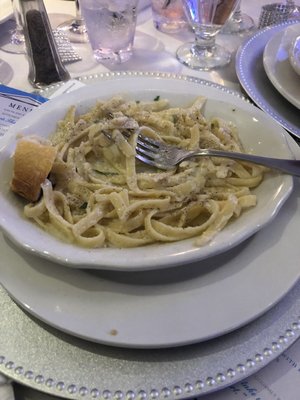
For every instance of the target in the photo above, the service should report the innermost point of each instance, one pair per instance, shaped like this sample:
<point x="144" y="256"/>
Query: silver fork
<point x="164" y="156"/>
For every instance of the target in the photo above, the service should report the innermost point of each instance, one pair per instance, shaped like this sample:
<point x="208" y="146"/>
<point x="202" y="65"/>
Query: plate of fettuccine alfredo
<point x="72" y="190"/>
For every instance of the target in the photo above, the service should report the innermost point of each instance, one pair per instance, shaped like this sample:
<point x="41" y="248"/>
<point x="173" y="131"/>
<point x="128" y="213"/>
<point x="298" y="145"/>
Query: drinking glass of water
<point x="110" y="27"/>
<point x="168" y="15"/>
<point x="206" y="17"/>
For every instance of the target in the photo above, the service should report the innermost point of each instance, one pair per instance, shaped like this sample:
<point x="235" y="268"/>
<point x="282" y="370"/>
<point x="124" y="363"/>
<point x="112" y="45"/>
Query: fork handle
<point x="291" y="167"/>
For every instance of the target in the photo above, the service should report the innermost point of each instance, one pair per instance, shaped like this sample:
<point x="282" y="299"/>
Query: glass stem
<point x="204" y="45"/>
<point x="78" y="12"/>
<point x="237" y="15"/>
<point x="18" y="36"/>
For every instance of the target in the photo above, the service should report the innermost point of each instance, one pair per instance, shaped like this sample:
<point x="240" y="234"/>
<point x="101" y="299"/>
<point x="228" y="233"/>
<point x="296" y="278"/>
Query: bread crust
<point x="32" y="164"/>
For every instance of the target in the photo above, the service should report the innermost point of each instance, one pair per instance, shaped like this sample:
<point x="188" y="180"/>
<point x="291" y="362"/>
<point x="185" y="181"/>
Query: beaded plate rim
<point x="252" y="91"/>
<point x="211" y="383"/>
<point x="88" y="79"/>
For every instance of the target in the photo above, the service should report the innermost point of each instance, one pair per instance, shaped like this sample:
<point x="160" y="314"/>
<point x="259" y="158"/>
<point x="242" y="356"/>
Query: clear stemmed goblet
<point x="14" y="41"/>
<point x="206" y="17"/>
<point x="75" y="28"/>
<point x="239" y="22"/>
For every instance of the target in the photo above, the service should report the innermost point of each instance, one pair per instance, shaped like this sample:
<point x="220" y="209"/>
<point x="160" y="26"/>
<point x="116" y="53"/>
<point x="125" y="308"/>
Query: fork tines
<point x="145" y="147"/>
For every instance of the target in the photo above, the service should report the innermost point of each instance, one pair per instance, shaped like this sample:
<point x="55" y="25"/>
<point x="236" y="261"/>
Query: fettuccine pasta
<point x="99" y="195"/>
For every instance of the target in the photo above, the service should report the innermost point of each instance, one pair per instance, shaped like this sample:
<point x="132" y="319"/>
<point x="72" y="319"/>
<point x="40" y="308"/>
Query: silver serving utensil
<point x="164" y="156"/>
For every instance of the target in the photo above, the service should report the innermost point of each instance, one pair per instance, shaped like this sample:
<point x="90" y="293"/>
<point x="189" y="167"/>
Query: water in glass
<point x="111" y="28"/>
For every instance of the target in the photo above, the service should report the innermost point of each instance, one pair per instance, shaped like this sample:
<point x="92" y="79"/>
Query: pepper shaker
<point x="45" y="65"/>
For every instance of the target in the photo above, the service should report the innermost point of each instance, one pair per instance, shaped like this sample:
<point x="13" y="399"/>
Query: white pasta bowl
<point x="258" y="132"/>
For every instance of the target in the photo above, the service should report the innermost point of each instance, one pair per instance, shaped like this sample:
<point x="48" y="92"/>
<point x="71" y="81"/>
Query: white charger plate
<point x="259" y="134"/>
<point x="278" y="67"/>
<point x="5" y="10"/>
<point x="253" y="79"/>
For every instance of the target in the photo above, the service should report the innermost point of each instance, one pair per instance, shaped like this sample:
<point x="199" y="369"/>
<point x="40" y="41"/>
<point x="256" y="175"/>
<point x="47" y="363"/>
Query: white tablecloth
<point x="155" y="51"/>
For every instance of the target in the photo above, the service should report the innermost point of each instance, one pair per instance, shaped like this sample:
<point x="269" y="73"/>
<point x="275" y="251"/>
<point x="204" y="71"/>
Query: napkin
<point x="6" y="389"/>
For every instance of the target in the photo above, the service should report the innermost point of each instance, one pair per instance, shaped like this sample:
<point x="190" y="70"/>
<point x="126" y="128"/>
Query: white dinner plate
<point x="278" y="67"/>
<point x="169" y="307"/>
<point x="253" y="78"/>
<point x="259" y="134"/>
<point x="5" y="10"/>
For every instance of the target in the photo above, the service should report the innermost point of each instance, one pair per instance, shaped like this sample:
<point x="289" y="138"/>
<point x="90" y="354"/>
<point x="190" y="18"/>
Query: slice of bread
<point x="33" y="161"/>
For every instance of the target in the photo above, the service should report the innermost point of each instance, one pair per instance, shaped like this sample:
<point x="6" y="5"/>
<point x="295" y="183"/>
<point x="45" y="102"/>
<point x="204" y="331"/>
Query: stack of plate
<point x="267" y="70"/>
<point x="211" y="316"/>
<point x="277" y="58"/>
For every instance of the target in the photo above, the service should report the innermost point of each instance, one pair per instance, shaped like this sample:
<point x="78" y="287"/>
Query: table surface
<point x="153" y="51"/>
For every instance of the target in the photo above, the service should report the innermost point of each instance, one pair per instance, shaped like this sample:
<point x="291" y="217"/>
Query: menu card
<point x="14" y="104"/>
